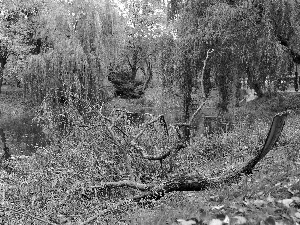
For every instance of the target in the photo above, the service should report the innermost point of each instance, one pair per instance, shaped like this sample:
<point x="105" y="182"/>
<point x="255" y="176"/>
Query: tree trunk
<point x="254" y="83"/>
<point x="133" y="65"/>
<point x="258" y="90"/>
<point x="6" y="154"/>
<point x="187" y="98"/>
<point x="149" y="75"/>
<point x="1" y="75"/>
<point x="224" y="81"/>
<point x="1" y="79"/>
<point x="206" y="81"/>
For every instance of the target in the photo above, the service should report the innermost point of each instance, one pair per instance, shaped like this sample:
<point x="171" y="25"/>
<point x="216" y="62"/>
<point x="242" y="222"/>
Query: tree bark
<point x="204" y="79"/>
<point x="149" y="74"/>
<point x="254" y="83"/>
<point x="187" y="98"/>
<point x="2" y="64"/>
<point x="6" y="154"/>
<point x="1" y="79"/>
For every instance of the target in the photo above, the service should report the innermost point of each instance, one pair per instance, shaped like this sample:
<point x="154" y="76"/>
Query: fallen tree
<point x="194" y="182"/>
<point x="178" y="182"/>
<point x="200" y="183"/>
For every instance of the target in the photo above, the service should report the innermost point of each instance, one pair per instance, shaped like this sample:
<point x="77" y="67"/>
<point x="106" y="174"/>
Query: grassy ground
<point x="270" y="196"/>
<point x="46" y="184"/>
<point x="273" y="191"/>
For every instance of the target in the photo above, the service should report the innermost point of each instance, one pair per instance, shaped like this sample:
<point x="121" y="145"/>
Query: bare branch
<point x="200" y="183"/>
<point x="143" y="153"/>
<point x="145" y="126"/>
<point x="119" y="144"/>
<point x="125" y="183"/>
<point x="196" y="112"/>
<point x="141" y="150"/>
<point x="128" y="60"/>
<point x="202" y="72"/>
<point x="197" y="182"/>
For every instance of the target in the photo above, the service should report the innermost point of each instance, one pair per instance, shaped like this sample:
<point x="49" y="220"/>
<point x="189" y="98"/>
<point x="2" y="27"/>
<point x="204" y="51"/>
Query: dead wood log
<point x="200" y="183"/>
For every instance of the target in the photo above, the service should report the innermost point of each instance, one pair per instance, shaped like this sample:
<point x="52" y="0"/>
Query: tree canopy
<point x="77" y="47"/>
<point x="252" y="39"/>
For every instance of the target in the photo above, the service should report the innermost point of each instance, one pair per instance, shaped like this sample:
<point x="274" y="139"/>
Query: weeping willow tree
<point x="253" y="39"/>
<point x="80" y="43"/>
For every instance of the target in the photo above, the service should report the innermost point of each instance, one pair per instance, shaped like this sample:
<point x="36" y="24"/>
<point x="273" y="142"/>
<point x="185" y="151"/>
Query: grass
<point x="49" y="183"/>
<point x="255" y="198"/>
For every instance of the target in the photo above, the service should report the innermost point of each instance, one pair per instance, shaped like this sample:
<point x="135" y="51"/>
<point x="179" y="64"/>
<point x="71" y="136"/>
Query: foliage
<point x="17" y="37"/>
<point x="144" y="29"/>
<point x="72" y="64"/>
<point x="63" y="51"/>
<point x="245" y="38"/>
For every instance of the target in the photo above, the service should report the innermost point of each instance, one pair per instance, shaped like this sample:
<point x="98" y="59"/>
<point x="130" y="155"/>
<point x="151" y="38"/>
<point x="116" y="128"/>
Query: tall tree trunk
<point x="238" y="93"/>
<point x="254" y="83"/>
<point x="206" y="81"/>
<point x="223" y="82"/>
<point x="2" y="64"/>
<point x="134" y="64"/>
<point x="148" y="74"/>
<point x="1" y="78"/>
<point x="235" y="87"/>
<point x="187" y="98"/>
<point x="258" y="90"/>
<point x="6" y="153"/>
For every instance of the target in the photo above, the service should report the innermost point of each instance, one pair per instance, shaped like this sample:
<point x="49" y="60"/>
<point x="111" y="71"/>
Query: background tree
<point x="245" y="36"/>
<point x="16" y="41"/>
<point x="145" y="23"/>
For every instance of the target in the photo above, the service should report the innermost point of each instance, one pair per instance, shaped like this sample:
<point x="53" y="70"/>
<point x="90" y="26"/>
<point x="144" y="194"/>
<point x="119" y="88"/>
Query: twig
<point x="145" y="125"/>
<point x="143" y="153"/>
<point x="124" y="183"/>
<point x="196" y="112"/>
<point x="203" y="69"/>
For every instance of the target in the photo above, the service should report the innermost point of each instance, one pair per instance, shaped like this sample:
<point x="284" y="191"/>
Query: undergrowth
<point x="55" y="183"/>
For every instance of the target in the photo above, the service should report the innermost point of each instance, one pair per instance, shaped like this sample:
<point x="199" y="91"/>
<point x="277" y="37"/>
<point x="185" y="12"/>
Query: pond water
<point x="23" y="135"/>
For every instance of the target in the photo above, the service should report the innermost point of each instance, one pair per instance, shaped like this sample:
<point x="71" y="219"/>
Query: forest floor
<point x="271" y="196"/>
